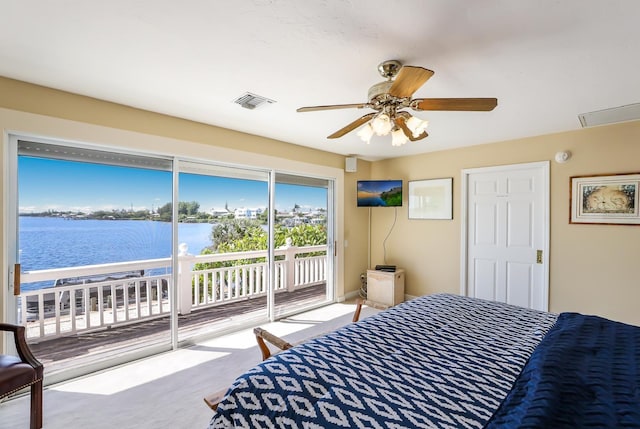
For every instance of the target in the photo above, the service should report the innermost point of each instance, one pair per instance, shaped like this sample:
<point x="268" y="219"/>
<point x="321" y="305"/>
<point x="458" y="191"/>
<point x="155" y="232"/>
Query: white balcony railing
<point x="95" y="297"/>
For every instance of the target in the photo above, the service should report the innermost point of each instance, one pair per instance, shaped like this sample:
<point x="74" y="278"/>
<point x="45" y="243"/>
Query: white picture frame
<point x="605" y="199"/>
<point x="431" y="199"/>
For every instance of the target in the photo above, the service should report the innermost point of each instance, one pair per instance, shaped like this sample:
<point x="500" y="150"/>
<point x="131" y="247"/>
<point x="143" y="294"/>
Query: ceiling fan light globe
<point x="417" y="126"/>
<point x="381" y="124"/>
<point x="365" y="133"/>
<point x="398" y="138"/>
<point x="420" y="130"/>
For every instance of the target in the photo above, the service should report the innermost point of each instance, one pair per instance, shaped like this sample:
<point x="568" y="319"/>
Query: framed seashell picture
<point x="605" y="199"/>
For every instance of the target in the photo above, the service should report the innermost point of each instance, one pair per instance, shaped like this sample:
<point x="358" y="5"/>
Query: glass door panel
<point x="94" y="253"/>
<point x="303" y="228"/>
<point x="223" y="237"/>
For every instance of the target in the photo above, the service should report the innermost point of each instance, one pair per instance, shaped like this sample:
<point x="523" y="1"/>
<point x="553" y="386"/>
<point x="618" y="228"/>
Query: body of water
<point x="47" y="242"/>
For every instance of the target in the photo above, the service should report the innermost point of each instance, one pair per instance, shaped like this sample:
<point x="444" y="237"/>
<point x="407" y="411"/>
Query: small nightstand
<point x="385" y="287"/>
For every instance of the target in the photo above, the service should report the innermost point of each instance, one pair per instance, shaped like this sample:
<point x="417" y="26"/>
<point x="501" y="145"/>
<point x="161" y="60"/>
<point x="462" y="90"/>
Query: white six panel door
<point x="507" y="235"/>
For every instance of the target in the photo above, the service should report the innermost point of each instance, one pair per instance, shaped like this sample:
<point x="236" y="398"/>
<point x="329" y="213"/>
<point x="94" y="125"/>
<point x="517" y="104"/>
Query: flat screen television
<point x="379" y="193"/>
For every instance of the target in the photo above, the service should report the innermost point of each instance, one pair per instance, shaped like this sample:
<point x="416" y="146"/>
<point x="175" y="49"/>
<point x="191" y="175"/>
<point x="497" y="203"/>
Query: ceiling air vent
<point x="630" y="112"/>
<point x="251" y="101"/>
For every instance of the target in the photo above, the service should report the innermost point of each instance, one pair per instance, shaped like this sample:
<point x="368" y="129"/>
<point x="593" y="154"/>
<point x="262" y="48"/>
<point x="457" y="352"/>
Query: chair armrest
<point x="214" y="399"/>
<point x="360" y="302"/>
<point x="263" y="335"/>
<point x="22" y="347"/>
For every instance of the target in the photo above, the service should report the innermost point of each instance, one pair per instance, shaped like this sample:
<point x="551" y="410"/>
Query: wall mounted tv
<point x="379" y="193"/>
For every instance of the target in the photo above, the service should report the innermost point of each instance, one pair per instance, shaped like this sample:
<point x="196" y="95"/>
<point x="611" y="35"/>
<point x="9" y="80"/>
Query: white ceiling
<point x="545" y="60"/>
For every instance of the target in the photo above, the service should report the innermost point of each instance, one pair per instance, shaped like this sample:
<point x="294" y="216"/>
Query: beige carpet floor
<point x="165" y="391"/>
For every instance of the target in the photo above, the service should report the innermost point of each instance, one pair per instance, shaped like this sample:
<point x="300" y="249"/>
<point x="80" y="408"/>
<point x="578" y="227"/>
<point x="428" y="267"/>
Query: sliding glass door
<point x="120" y="255"/>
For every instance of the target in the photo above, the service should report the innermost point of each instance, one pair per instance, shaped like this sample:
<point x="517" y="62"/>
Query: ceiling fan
<point x="389" y="99"/>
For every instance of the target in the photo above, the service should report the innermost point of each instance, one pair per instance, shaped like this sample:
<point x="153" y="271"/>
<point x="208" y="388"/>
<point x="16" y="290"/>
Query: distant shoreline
<point x="110" y="218"/>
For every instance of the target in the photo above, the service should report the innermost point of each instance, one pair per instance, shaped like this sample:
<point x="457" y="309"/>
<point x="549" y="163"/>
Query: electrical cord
<point x="363" y="285"/>
<point x="384" y="243"/>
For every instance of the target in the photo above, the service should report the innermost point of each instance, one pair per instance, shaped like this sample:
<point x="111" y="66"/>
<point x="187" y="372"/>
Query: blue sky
<point x="45" y="184"/>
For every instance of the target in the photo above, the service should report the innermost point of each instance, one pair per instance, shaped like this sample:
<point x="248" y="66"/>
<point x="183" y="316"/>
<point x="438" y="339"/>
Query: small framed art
<point x="431" y="199"/>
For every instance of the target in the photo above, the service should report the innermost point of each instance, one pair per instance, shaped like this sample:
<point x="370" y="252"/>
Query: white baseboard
<point x="349" y="296"/>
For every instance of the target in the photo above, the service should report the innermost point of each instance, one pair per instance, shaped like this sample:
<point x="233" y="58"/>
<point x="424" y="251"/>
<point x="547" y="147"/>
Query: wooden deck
<point x="60" y="353"/>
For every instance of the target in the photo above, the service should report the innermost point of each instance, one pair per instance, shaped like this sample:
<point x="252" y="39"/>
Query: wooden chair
<point x="263" y="337"/>
<point x="22" y="371"/>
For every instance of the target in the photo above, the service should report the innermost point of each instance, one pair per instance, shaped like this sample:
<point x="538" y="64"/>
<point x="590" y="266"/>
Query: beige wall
<point x="356" y="228"/>
<point x="594" y="269"/>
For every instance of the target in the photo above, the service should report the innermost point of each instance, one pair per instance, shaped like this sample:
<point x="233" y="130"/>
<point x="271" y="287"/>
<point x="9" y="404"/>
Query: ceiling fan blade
<point x="408" y="80"/>
<point x="332" y="107"/>
<point x="466" y="104"/>
<point x="401" y="122"/>
<point x="352" y="126"/>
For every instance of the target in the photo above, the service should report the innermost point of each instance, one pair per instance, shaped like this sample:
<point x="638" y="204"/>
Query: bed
<point x="447" y="361"/>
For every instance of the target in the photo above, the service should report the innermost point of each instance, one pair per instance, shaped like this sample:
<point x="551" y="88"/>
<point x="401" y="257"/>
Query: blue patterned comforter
<point x="437" y="361"/>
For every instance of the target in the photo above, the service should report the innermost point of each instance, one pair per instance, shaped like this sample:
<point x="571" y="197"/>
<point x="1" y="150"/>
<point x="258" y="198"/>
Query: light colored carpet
<point x="166" y="391"/>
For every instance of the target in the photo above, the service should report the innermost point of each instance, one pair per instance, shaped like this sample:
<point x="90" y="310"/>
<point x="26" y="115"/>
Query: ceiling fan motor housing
<point x="379" y="92"/>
